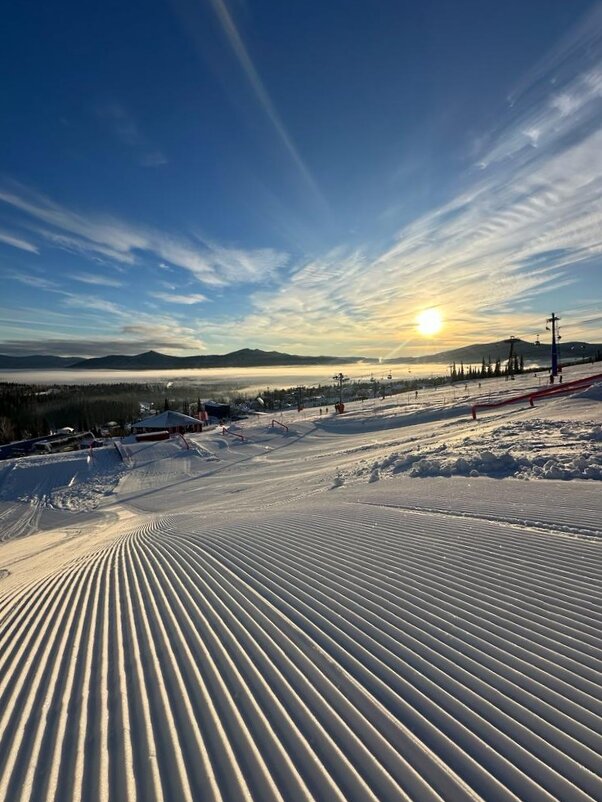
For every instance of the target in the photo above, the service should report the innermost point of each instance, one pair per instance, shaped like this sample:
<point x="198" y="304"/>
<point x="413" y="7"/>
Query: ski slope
<point x="279" y="619"/>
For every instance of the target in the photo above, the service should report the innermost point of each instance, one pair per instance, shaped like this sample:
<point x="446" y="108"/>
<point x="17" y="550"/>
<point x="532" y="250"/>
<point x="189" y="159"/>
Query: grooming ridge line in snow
<point x="229" y="622"/>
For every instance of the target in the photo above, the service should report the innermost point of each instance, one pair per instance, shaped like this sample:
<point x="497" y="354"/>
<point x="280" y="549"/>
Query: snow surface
<point x="383" y="605"/>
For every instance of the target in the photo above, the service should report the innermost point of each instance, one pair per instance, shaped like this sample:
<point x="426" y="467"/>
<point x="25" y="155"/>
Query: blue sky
<point x="204" y="175"/>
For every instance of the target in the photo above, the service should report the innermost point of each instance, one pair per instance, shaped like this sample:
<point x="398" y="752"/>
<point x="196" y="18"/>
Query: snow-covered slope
<point x="299" y="615"/>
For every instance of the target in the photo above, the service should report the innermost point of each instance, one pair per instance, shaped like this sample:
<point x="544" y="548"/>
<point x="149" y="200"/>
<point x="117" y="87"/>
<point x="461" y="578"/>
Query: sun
<point x="429" y="322"/>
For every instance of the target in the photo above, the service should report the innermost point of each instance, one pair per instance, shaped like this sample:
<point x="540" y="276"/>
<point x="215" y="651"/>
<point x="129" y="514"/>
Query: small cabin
<point x="169" y="421"/>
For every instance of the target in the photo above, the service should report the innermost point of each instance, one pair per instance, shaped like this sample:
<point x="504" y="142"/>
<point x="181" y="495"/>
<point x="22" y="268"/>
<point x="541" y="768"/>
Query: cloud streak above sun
<point x="241" y="52"/>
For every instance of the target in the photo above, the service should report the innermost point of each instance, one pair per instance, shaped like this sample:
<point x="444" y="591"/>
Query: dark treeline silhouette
<point x="37" y="410"/>
<point x="488" y="369"/>
<point x="509" y="367"/>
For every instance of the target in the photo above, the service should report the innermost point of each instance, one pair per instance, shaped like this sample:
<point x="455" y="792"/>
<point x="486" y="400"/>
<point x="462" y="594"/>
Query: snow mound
<point x="75" y="481"/>
<point x="528" y="449"/>
<point x="505" y="464"/>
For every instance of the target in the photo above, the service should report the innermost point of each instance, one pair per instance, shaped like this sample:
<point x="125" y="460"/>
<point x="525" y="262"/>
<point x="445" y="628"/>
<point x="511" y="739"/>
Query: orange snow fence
<point x="559" y="389"/>
<point x="232" y="434"/>
<point x="184" y="440"/>
<point x="277" y="422"/>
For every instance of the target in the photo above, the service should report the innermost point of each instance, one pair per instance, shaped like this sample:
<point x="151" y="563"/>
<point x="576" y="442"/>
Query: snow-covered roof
<point x="166" y="420"/>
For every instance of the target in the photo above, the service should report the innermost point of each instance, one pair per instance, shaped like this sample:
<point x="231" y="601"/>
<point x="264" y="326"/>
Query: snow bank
<point x="501" y="464"/>
<point x="528" y="449"/>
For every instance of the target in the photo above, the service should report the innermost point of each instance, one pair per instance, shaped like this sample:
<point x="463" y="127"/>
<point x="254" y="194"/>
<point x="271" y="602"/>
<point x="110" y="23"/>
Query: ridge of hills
<point x="474" y="354"/>
<point x="245" y="357"/>
<point x="254" y="357"/>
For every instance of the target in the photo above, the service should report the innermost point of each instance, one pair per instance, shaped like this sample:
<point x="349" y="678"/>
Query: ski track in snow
<point x="295" y="657"/>
<point x="247" y="624"/>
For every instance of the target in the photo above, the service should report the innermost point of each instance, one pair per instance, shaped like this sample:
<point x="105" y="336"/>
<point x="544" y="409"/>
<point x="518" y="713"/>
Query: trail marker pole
<point x="510" y="367"/>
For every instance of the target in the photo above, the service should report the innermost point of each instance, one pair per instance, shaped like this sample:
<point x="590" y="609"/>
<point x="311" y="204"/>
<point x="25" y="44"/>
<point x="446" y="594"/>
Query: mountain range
<point x="253" y="357"/>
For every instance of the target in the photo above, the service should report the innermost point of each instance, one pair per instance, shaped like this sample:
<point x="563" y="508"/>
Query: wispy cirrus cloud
<point x="96" y="280"/>
<point x="108" y="238"/>
<point x="195" y="26"/>
<point x="93" y="326"/>
<point x="17" y="242"/>
<point x="31" y="279"/>
<point x="561" y="94"/>
<point x="92" y="303"/>
<point x="246" y="62"/>
<point x="95" y="251"/>
<point x="179" y="298"/>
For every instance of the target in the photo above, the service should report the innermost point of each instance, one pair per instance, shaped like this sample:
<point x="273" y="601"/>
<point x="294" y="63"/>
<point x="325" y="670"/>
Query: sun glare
<point x="429" y="322"/>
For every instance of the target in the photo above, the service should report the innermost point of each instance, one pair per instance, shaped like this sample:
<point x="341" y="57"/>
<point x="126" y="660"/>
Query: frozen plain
<point x="397" y="603"/>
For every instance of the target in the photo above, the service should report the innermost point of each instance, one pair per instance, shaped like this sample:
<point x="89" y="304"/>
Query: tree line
<point x="488" y="369"/>
<point x="37" y="410"/>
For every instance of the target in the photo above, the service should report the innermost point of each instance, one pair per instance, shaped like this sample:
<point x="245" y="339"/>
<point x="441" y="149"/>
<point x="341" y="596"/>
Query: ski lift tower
<point x="555" y="337"/>
<point x="340" y="379"/>
<point x="511" y="342"/>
